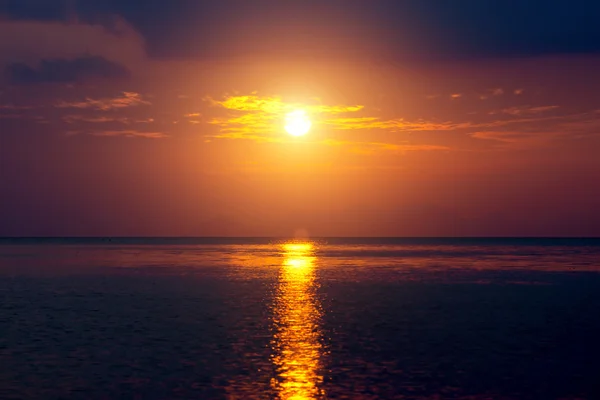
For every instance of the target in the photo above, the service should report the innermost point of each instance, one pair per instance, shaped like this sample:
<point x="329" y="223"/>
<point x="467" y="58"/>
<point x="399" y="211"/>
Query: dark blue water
<point x="264" y="318"/>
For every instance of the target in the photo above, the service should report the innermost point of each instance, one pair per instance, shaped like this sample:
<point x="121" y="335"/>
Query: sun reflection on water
<point x="297" y="344"/>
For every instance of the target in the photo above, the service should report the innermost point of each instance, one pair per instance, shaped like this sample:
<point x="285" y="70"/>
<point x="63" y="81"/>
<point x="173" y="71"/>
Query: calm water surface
<point x="251" y="318"/>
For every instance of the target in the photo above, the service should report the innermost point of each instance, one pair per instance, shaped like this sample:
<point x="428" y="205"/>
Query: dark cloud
<point x="411" y="29"/>
<point x="65" y="71"/>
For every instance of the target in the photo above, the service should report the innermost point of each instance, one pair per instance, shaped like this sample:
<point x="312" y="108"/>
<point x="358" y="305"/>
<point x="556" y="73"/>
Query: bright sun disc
<point x="297" y="123"/>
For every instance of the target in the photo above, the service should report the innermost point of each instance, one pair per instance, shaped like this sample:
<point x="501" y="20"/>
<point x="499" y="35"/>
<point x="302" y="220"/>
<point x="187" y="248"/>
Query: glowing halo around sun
<point x="297" y="123"/>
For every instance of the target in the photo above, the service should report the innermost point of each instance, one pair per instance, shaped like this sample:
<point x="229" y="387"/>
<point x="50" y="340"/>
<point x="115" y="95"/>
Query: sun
<point x="297" y="123"/>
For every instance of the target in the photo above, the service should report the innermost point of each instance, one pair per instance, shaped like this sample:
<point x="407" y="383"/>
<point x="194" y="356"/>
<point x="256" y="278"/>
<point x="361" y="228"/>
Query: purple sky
<point x="428" y="120"/>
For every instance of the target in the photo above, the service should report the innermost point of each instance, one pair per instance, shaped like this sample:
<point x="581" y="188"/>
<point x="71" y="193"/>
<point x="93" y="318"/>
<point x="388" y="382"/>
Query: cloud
<point x="13" y="107"/>
<point x="260" y="115"/>
<point x="393" y="125"/>
<point x="126" y="99"/>
<point x="65" y="71"/>
<point x="132" y="134"/>
<point x="194" y="118"/>
<point x="492" y="93"/>
<point x="129" y="133"/>
<point x="343" y="28"/>
<point x="11" y="116"/>
<point x="533" y="132"/>
<point x="502" y="136"/>
<point x="455" y="96"/>
<point x="275" y="105"/>
<point x="526" y="110"/>
<point x="259" y="118"/>
<point x="70" y="119"/>
<point x="584" y="125"/>
<point x="527" y="138"/>
<point x="29" y="42"/>
<point x="11" y="111"/>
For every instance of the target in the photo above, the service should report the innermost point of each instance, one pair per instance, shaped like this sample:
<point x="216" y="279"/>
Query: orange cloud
<point x="126" y="99"/>
<point x="127" y="133"/>
<point x="501" y="136"/>
<point x="71" y="119"/>
<point x="275" y="105"/>
<point x="258" y="118"/>
<point x="131" y="134"/>
<point x="393" y="125"/>
<point x="524" y="110"/>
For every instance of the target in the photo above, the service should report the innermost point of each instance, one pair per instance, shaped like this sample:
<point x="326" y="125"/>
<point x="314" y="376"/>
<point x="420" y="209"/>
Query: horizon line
<point x="105" y="237"/>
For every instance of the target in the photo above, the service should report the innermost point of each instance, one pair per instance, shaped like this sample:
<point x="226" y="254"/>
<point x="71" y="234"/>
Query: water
<point x="258" y="318"/>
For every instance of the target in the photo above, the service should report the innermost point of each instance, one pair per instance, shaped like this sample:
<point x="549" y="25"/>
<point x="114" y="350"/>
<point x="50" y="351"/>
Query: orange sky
<point x="184" y="146"/>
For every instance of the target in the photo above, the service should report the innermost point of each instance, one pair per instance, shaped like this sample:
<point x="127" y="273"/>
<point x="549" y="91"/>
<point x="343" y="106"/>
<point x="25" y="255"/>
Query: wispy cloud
<point x="392" y="125"/>
<point x="11" y="111"/>
<point x="526" y="110"/>
<point x="275" y="105"/>
<point x="492" y="93"/>
<point x="126" y="99"/>
<point x="194" y="118"/>
<point x="12" y="107"/>
<point x="538" y="130"/>
<point x="11" y="116"/>
<point x="130" y="133"/>
<point x="502" y="136"/>
<point x="260" y="118"/>
<point x="71" y="119"/>
<point x="584" y="125"/>
<point x="257" y="117"/>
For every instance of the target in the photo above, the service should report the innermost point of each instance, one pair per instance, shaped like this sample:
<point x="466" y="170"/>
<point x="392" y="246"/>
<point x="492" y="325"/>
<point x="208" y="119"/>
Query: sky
<point x="429" y="118"/>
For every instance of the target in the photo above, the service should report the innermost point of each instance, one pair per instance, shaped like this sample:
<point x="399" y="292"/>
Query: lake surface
<point x="336" y="318"/>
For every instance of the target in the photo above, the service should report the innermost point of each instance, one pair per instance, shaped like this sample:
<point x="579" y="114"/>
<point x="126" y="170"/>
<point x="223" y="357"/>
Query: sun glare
<point x="297" y="123"/>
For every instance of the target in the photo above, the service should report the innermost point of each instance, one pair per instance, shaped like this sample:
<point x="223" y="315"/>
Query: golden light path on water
<point x="297" y="348"/>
